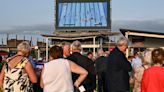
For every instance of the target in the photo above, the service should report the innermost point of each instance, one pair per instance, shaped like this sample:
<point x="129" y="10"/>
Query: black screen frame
<point x="108" y="27"/>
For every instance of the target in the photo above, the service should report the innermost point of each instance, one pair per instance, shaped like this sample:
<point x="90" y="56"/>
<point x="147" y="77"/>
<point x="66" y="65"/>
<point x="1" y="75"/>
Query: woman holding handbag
<point x="56" y="74"/>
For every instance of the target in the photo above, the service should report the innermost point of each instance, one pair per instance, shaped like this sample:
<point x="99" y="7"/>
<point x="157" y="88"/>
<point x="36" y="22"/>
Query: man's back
<point x="100" y="64"/>
<point x="100" y="69"/>
<point x="87" y="64"/>
<point x="117" y="78"/>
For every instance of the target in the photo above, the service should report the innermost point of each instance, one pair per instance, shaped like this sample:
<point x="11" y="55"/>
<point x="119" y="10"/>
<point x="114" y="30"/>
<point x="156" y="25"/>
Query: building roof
<point x="79" y="35"/>
<point x="142" y="33"/>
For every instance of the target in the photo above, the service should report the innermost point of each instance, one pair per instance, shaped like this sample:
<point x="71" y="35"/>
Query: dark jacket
<point x="100" y="64"/>
<point x="117" y="77"/>
<point x="88" y="64"/>
<point x="100" y="69"/>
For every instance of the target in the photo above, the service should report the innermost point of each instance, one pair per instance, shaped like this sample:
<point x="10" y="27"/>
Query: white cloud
<point x="145" y="25"/>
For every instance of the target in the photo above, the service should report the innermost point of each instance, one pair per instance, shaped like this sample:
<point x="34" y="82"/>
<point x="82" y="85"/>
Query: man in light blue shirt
<point x="136" y="61"/>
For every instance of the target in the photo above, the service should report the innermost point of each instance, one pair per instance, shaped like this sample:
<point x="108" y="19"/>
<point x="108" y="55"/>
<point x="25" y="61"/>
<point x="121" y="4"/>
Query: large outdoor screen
<point x="83" y="15"/>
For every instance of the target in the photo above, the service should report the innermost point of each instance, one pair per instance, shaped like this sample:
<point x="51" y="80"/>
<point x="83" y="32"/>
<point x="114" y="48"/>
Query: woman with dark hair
<point x="56" y="74"/>
<point x="153" y="80"/>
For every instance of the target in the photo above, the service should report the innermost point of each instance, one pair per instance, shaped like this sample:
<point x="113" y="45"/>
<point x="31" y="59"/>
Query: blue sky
<point x="37" y="16"/>
<point x="25" y="13"/>
<point x="137" y="9"/>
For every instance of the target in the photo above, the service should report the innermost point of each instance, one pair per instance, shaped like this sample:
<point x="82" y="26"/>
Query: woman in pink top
<point x="153" y="77"/>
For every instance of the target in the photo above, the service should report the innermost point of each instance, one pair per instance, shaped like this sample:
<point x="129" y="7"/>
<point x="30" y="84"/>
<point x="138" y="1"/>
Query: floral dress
<point x="16" y="79"/>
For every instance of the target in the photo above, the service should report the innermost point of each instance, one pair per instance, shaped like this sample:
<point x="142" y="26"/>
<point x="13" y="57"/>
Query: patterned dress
<point x="138" y="77"/>
<point x="16" y="79"/>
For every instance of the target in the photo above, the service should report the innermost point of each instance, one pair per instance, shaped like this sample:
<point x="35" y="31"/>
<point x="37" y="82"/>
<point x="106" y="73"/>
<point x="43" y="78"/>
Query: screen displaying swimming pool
<point x="83" y="15"/>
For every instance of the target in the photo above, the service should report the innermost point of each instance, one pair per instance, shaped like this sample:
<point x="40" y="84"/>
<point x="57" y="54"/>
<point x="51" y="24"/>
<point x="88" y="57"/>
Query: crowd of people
<point x="68" y="70"/>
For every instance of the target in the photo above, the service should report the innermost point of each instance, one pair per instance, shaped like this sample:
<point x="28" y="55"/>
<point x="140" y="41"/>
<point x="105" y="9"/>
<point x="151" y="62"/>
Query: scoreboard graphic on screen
<point x="83" y="14"/>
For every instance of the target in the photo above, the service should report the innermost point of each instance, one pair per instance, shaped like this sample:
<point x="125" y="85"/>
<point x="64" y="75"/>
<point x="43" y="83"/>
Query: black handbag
<point x="76" y="89"/>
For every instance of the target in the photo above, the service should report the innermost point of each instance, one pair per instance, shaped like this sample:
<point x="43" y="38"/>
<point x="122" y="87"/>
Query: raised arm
<point x="41" y="79"/>
<point x="78" y="70"/>
<point x="30" y="71"/>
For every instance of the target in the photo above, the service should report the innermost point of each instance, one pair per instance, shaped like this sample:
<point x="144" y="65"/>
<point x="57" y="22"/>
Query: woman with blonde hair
<point x="146" y="63"/>
<point x="17" y="74"/>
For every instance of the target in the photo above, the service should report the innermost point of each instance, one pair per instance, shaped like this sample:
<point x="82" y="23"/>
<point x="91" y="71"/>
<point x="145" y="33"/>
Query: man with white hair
<point x="117" y="77"/>
<point x="89" y="83"/>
